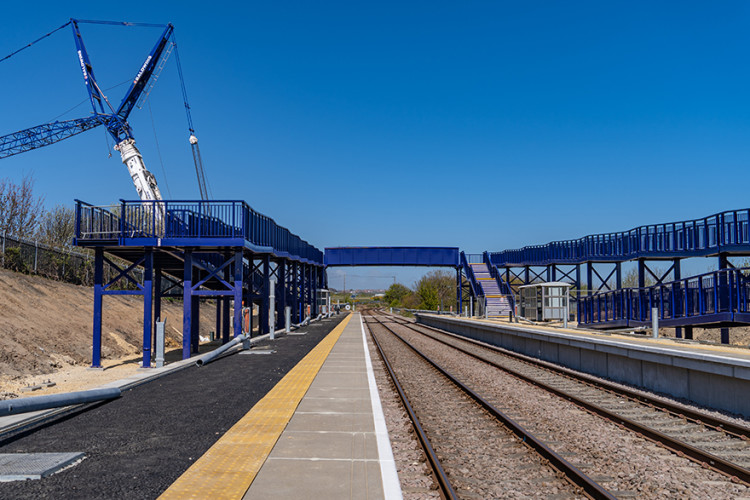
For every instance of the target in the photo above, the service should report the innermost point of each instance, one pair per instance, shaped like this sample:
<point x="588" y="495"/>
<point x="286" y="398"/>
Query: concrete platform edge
<point x="391" y="483"/>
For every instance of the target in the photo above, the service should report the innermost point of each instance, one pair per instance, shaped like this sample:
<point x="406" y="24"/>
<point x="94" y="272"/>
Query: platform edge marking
<point x="388" y="472"/>
<point x="229" y="467"/>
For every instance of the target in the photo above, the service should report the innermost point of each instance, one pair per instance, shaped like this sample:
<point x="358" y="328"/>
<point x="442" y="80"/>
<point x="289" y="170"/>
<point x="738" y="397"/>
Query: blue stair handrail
<point x="501" y="284"/>
<point x="476" y="290"/>
<point x="722" y="295"/>
<point x="722" y="232"/>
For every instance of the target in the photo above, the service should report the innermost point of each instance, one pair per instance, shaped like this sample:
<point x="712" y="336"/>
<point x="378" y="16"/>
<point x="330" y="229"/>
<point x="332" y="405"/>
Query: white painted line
<point x="391" y="484"/>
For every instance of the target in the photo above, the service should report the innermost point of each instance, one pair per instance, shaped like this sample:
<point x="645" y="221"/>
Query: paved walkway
<point x="320" y="433"/>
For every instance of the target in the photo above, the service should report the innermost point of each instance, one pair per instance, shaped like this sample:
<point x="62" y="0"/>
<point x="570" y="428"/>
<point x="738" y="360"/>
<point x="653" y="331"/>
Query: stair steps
<point x="497" y="304"/>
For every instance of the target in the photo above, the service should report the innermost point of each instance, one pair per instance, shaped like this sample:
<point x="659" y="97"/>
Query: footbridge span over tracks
<point x="473" y="274"/>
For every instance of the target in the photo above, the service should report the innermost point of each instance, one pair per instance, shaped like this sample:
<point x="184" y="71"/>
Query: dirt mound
<point x="46" y="325"/>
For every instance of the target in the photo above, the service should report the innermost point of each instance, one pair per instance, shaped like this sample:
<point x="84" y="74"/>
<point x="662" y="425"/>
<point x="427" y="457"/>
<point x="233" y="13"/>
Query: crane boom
<point x="115" y="121"/>
<point x="43" y="135"/>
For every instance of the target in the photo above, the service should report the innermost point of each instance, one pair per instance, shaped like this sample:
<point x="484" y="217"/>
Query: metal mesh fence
<point x="62" y="264"/>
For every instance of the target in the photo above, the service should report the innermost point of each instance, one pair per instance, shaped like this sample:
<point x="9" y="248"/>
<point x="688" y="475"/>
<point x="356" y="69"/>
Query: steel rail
<point x="574" y="475"/>
<point x="442" y="478"/>
<point x="716" y="423"/>
<point x="702" y="457"/>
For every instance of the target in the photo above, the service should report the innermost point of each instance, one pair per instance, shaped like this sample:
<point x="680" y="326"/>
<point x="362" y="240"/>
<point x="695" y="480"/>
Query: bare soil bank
<point x="46" y="327"/>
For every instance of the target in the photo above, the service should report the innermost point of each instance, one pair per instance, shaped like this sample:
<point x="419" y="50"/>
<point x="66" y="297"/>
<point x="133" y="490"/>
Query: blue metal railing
<point x="501" y="284"/>
<point x="476" y="290"/>
<point x="722" y="293"/>
<point x="188" y="219"/>
<point x="723" y="232"/>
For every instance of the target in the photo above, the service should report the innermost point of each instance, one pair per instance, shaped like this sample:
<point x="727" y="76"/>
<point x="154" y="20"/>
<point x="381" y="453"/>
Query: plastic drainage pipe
<point x="24" y="405"/>
<point x="211" y="356"/>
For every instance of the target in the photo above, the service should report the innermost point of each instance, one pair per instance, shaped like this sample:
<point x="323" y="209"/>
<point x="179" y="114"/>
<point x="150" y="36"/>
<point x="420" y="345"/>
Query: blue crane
<point x="114" y="120"/>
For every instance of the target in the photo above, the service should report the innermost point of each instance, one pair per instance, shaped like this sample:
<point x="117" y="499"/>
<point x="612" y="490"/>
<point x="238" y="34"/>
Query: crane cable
<point x="35" y="41"/>
<point x="203" y="184"/>
<point x="158" y="149"/>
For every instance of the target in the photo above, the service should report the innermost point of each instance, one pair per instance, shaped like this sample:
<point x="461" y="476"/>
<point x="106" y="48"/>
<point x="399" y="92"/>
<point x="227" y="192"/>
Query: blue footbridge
<point x="197" y="250"/>
<point x="228" y="253"/>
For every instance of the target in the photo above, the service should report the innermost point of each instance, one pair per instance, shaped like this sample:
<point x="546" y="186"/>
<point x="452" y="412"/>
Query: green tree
<point x="395" y="294"/>
<point x="428" y="296"/>
<point x="435" y="288"/>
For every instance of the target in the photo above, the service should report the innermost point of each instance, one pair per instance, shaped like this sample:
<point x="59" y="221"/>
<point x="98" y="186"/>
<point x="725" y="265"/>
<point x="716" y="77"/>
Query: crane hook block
<point x="193" y="139"/>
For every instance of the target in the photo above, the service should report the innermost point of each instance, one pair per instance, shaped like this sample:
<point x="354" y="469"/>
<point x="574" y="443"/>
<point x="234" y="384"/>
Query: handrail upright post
<point x="78" y="219"/>
<point x="122" y="218"/>
<point x="716" y="292"/>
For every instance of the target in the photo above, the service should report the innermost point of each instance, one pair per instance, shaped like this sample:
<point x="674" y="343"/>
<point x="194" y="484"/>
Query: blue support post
<point x="459" y="295"/>
<point x="295" y="292"/>
<point x="157" y="296"/>
<point x="263" y="316"/>
<point x="589" y="278"/>
<point x="96" y="349"/>
<point x="618" y="275"/>
<point x="227" y="321"/>
<point x="217" y="329"/>
<point x="281" y="292"/>
<point x="641" y="273"/>
<point x="722" y="297"/>
<point x="196" y="320"/>
<point x="303" y="290"/>
<point x="678" y="302"/>
<point x="148" y="270"/>
<point x="187" y="303"/>
<point x="238" y="296"/>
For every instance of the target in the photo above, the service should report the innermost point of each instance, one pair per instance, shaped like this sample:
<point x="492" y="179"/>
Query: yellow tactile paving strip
<point x="228" y="468"/>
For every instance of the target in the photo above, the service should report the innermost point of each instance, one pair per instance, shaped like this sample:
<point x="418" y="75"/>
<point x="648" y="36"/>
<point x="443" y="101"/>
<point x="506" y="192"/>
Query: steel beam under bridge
<point x="392" y="256"/>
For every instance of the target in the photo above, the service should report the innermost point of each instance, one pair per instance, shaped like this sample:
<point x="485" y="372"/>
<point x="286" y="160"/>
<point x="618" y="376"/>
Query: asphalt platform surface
<point x="138" y="445"/>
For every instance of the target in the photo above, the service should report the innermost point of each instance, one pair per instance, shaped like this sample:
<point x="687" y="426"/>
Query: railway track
<point x="476" y="451"/>
<point x="708" y="441"/>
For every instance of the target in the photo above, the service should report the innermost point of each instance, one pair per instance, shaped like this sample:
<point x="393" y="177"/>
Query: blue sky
<point x="483" y="125"/>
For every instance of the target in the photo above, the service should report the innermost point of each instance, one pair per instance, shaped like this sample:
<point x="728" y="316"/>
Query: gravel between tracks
<point x="482" y="459"/>
<point x="413" y="469"/>
<point x="622" y="461"/>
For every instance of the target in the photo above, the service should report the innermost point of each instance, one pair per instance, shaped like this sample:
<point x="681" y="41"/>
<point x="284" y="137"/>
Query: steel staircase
<point x="498" y="304"/>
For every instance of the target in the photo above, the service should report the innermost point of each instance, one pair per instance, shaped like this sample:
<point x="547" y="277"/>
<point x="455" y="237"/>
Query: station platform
<point x="319" y="433"/>
<point x="714" y="376"/>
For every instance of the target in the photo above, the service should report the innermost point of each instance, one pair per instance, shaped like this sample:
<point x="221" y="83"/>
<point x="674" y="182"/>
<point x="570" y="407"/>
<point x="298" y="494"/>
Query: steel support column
<point x="227" y="321"/>
<point x="295" y="291"/>
<point x="148" y="287"/>
<point x="281" y="291"/>
<point x="641" y="273"/>
<point x="187" y="303"/>
<point x="263" y="316"/>
<point x="618" y="275"/>
<point x="237" y="323"/>
<point x="459" y="295"/>
<point x="723" y="295"/>
<point x="157" y="299"/>
<point x="678" y="303"/>
<point x="96" y="349"/>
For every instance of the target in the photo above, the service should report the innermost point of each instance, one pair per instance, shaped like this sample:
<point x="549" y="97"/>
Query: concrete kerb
<point x="696" y="375"/>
